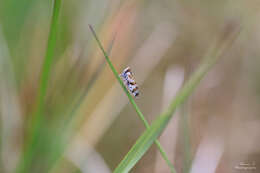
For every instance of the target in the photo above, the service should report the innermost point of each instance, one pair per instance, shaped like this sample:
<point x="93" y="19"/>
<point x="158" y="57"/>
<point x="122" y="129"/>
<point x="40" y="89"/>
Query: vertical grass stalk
<point x="37" y="119"/>
<point x="138" y="111"/>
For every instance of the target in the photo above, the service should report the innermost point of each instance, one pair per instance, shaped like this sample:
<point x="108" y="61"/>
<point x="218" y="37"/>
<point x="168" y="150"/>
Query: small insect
<point x="129" y="81"/>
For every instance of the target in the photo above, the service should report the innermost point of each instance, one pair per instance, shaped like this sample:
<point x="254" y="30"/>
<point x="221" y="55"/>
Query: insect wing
<point x="129" y="81"/>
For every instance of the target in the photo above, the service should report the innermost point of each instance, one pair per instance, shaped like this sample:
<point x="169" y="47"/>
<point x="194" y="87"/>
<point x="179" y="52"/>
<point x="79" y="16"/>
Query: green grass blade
<point x="151" y="134"/>
<point x="142" y="145"/>
<point x="37" y="119"/>
<point x="140" y="114"/>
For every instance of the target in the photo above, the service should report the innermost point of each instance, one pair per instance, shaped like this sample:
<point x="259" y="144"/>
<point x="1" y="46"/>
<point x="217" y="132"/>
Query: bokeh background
<point x="216" y="130"/>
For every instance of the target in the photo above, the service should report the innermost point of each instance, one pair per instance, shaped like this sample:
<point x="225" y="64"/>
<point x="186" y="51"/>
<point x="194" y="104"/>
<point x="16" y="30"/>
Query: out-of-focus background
<point x="89" y="124"/>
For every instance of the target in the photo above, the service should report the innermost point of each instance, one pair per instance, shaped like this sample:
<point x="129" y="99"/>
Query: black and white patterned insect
<point x="129" y="81"/>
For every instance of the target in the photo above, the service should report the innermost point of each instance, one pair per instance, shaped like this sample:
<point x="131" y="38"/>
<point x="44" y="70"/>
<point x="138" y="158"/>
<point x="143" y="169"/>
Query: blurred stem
<point x="185" y="133"/>
<point x="139" y="113"/>
<point x="37" y="119"/>
<point x="90" y="83"/>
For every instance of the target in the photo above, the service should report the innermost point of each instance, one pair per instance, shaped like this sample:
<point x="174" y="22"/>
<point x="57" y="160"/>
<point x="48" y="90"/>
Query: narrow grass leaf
<point x="140" y="114"/>
<point x="37" y="119"/>
<point x="151" y="134"/>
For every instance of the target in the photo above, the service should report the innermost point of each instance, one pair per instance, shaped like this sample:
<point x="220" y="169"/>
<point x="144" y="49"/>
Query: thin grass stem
<point x="37" y="119"/>
<point x="138" y="111"/>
